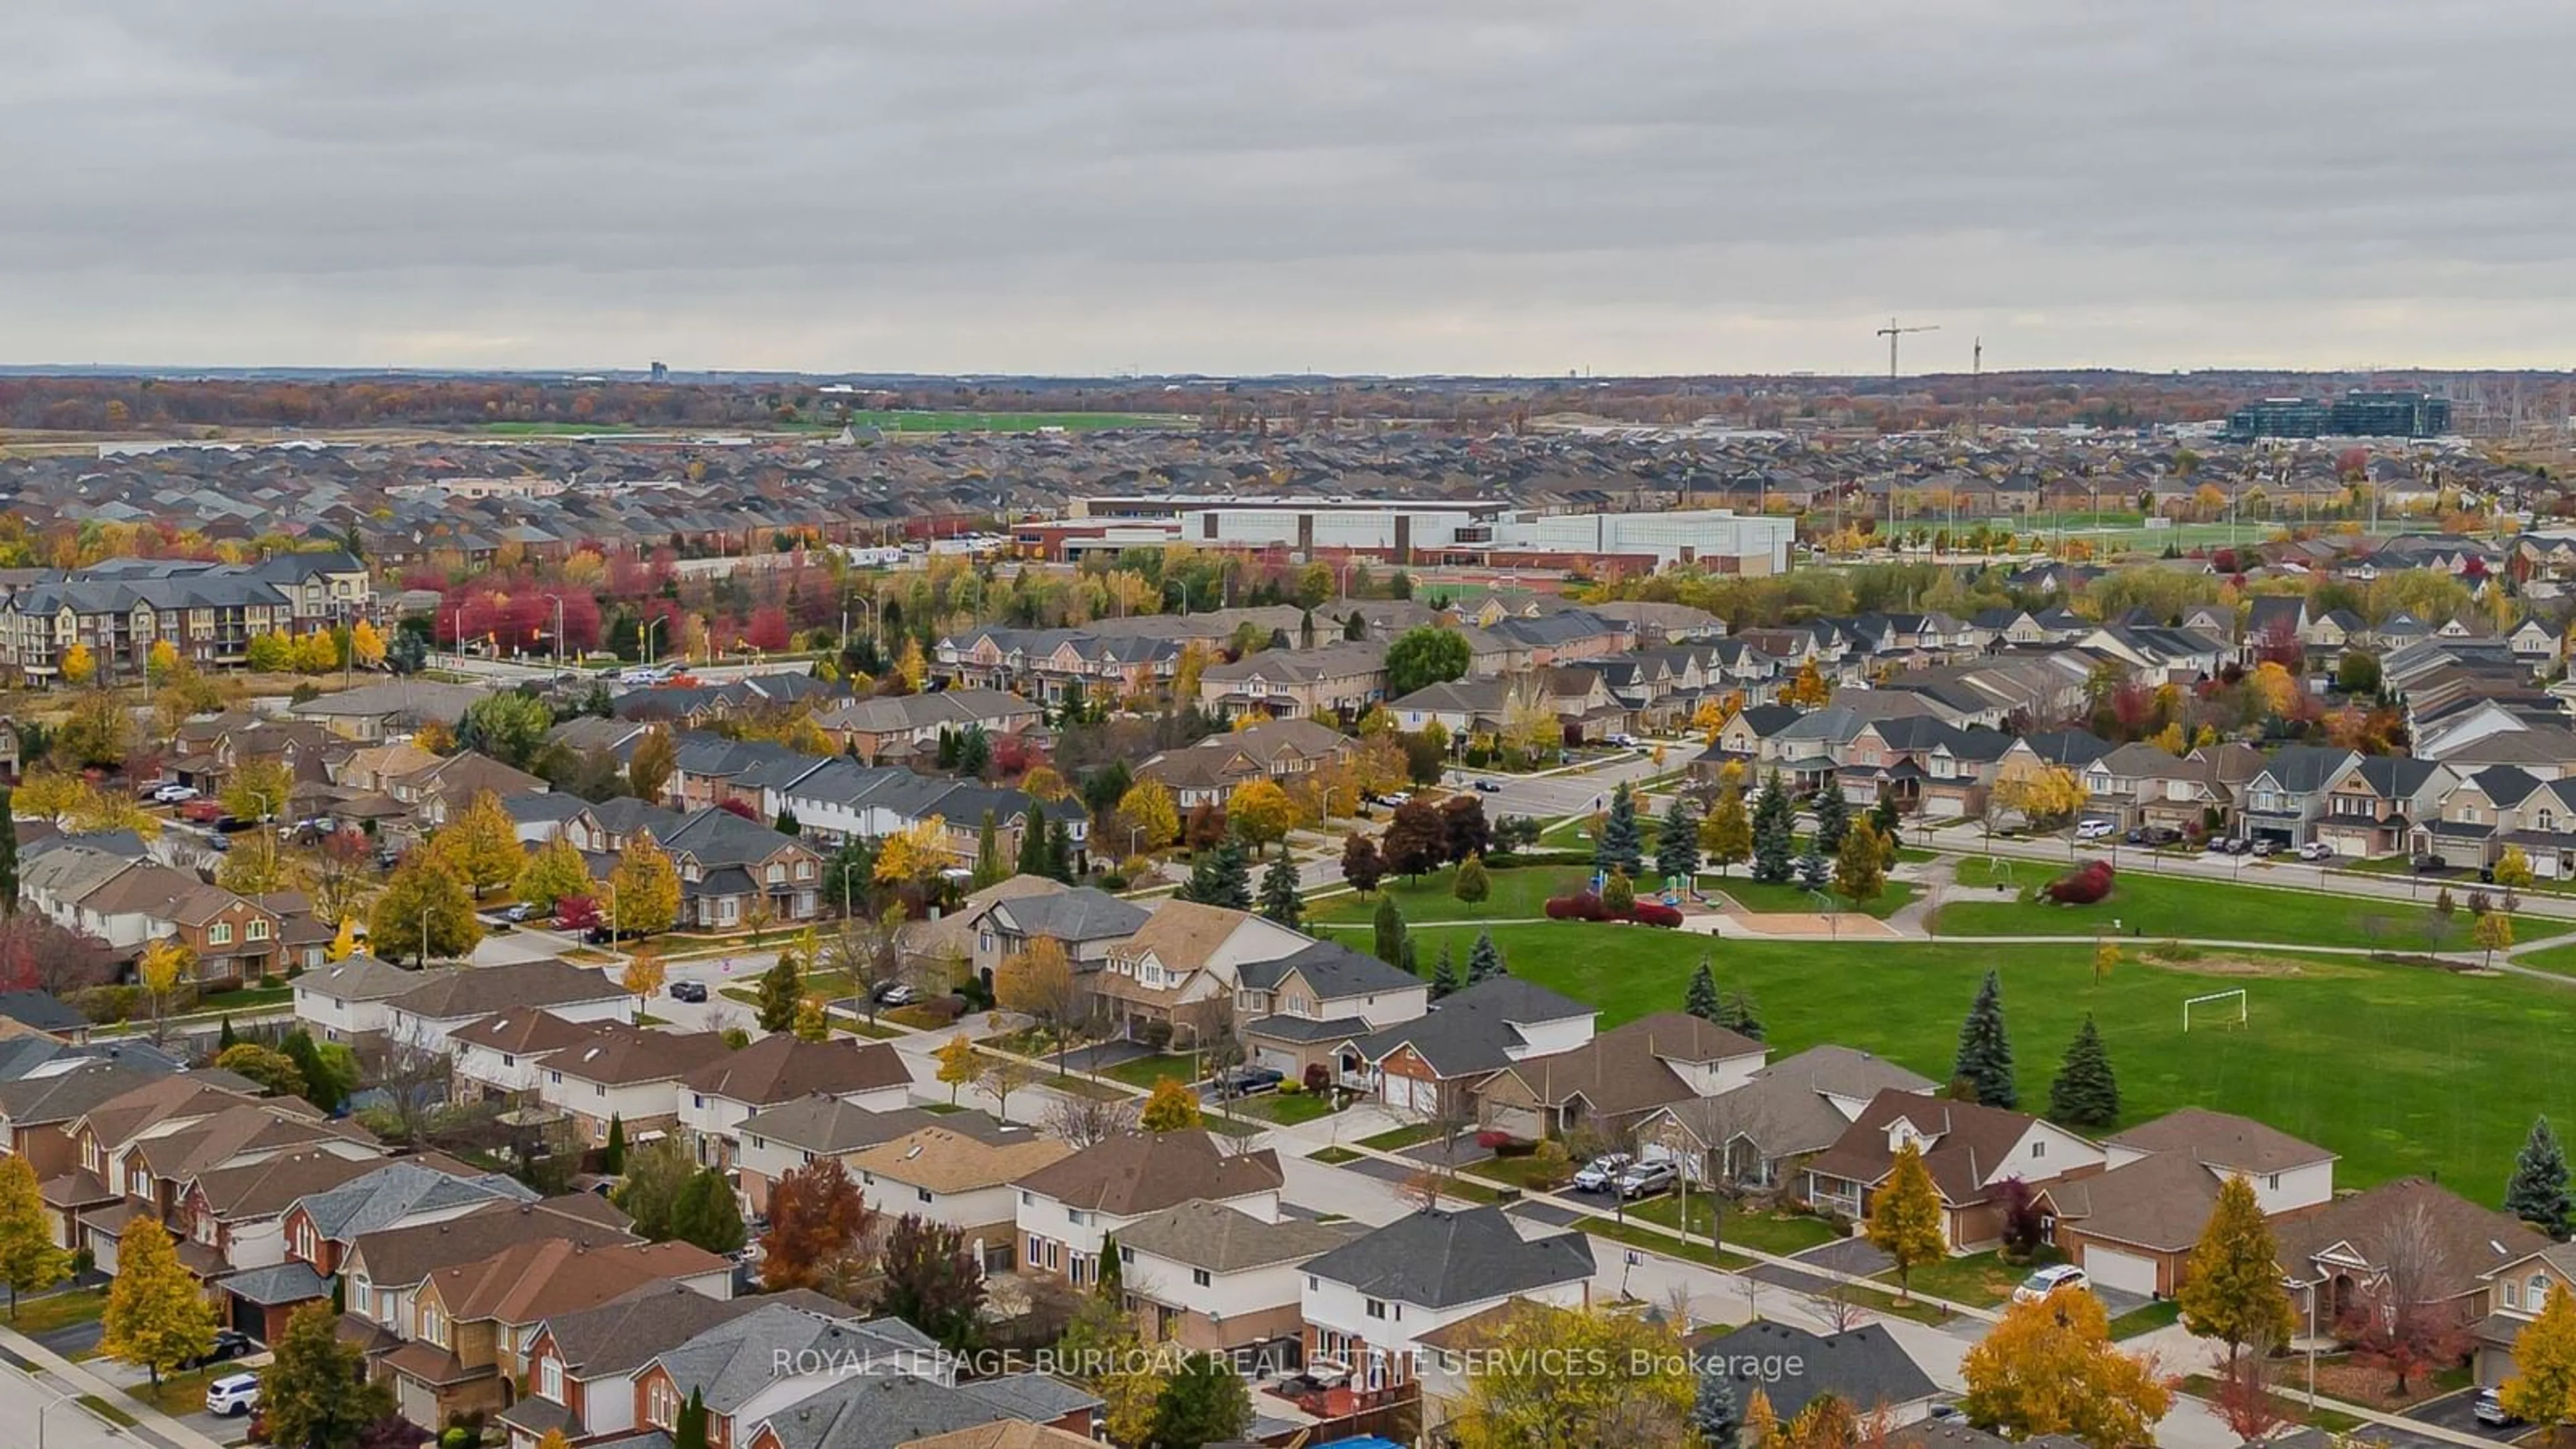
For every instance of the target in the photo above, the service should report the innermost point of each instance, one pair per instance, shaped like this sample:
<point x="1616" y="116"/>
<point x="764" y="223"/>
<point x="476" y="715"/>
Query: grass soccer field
<point x="2400" y="1069"/>
<point x="2156" y="906"/>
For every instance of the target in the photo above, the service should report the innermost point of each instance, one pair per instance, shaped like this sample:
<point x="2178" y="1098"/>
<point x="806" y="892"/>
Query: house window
<point x="804" y="870"/>
<point x="1037" y="1249"/>
<point x="2272" y="1182"/>
<point x="1376" y="1307"/>
<point x="777" y="873"/>
<point x="1027" y="1198"/>
<point x="2535" y="1294"/>
<point x="661" y="1405"/>
<point x="257" y="930"/>
<point x="220" y="934"/>
<point x="554" y="1079"/>
<point x="923" y="1193"/>
<point x="2512" y="1293"/>
<point x="2039" y="1149"/>
<point x="1199" y="1276"/>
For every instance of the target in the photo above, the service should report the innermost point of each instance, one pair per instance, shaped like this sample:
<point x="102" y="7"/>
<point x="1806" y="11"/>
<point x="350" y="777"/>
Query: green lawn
<point x="2560" y="959"/>
<point x="178" y="1394"/>
<point x="1402" y="1137"/>
<point x="1285" y="1108"/>
<point x="2160" y="1314"/>
<point x="1980" y="1280"/>
<point x="1635" y="1236"/>
<point x="908" y="421"/>
<point x="1779" y="1234"/>
<point x="246" y="998"/>
<point x="113" y="1412"/>
<point x="1146" y="1071"/>
<point x="1754" y="895"/>
<point x="2144" y="903"/>
<point x="1517" y="895"/>
<point x="59" y="1310"/>
<point x="1334" y="1156"/>
<point x="1526" y="1172"/>
<point x="2379" y="1062"/>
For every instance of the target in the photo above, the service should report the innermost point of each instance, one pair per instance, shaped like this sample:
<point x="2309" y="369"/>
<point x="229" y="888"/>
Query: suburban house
<point x="2337" y="1257"/>
<point x="582" y="1362"/>
<point x="1087" y="923"/>
<point x="899" y="724"/>
<point x="2497" y="808"/>
<point x="128" y="903"/>
<point x="446" y="1000"/>
<point x="1611" y="1082"/>
<point x="386" y="1269"/>
<point x="778" y="1140"/>
<point x="1279" y="750"/>
<point x="1068" y="1207"/>
<point x="372" y="713"/>
<point x="1296" y="1010"/>
<point x="1367" y="1303"/>
<point x="733" y="870"/>
<point x="322" y="1228"/>
<point x="1432" y="1064"/>
<point x="350" y="1000"/>
<point x="471" y="1322"/>
<point x="1221" y="1281"/>
<point x="958" y="1174"/>
<point x="2516" y="1292"/>
<point x="2286" y="799"/>
<point x="1342" y="679"/>
<point x="1756" y="1137"/>
<point x="499" y="1058"/>
<point x="628" y="1074"/>
<point x="2372" y="807"/>
<point x="1970" y="1149"/>
<point x="2132" y="1227"/>
<point x="735" y="1367"/>
<point x="1175" y="978"/>
<point x="1864" y="1367"/>
<point x="719" y="1095"/>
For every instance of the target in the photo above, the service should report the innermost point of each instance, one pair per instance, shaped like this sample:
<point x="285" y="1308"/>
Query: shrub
<point x="1655" y="913"/>
<point x="1512" y="1146"/>
<point x="1292" y="1088"/>
<point x="1318" y="1077"/>
<point x="1550" y="1165"/>
<point x="2082" y="886"/>
<point x="105" y="1004"/>
<point x="1158" y="1034"/>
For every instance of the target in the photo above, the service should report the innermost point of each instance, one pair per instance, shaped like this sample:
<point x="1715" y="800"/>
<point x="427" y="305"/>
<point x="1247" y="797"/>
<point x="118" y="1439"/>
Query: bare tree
<point x="1001" y="1076"/>
<point x="1839" y="1307"/>
<point x="866" y="949"/>
<point x="1088" y="1121"/>
<point x="2245" y="1398"/>
<point x="2412" y="1319"/>
<point x="413" y="1073"/>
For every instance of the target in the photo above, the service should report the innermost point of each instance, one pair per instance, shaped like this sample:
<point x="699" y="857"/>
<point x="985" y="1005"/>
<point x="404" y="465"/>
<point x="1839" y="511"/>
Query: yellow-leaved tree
<point x="644" y="888"/>
<point x="480" y="844"/>
<point x="1905" y="1217"/>
<point x="1171" y="1107"/>
<point x="29" y="1261"/>
<point x="1260" y="812"/>
<point x="160" y="661"/>
<point x="2050" y="1368"/>
<point x="556" y="871"/>
<point x="1148" y="809"/>
<point x="344" y="942"/>
<point x="958" y="1064"/>
<point x="161" y="967"/>
<point x="79" y="664"/>
<point x="366" y="645"/>
<point x="642" y="977"/>
<point x="1635" y="1385"/>
<point x="914" y="854"/>
<point x="2543" y="1387"/>
<point x="157" y="1317"/>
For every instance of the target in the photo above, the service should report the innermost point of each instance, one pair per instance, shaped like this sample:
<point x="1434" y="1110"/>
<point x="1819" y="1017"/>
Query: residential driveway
<point x="72" y="1340"/>
<point x="2453" y="1412"/>
<point x="1103" y="1055"/>
<point x="1856" y="1256"/>
<point x="1546" y="1212"/>
<point x="2116" y="1302"/>
<point x="1456" y="1154"/>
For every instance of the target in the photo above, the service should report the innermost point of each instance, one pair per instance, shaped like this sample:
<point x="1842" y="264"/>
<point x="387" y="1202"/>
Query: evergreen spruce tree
<point x="225" y="1039"/>
<point x="1033" y="842"/>
<point x="1774" y="820"/>
<point x="1388" y="927"/>
<point x="690" y="1431"/>
<point x="989" y="865"/>
<point x="1815" y="873"/>
<point x="1677" y="844"/>
<point x="1700" y="999"/>
<point x="1713" y="1413"/>
<point x="2085" y="1094"/>
<point x="1833" y="817"/>
<point x="2537" y="1193"/>
<point x="8" y="858"/>
<point x="1280" y="900"/>
<point x="1059" y="859"/>
<point x="1221" y="877"/>
<point x="782" y="987"/>
<point x="1484" y="959"/>
<point x="1985" y="1053"/>
<point x="1444" y="977"/>
<point x="1622" y="845"/>
<point x="612" y="1156"/>
<point x="1882" y="817"/>
<point x="1741" y="1014"/>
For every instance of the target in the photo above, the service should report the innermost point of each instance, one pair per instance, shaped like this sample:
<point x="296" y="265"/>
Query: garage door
<point x="1278" y="1059"/>
<point x="1522" y="1122"/>
<point x="2125" y="1272"/>
<point x="1407" y="1095"/>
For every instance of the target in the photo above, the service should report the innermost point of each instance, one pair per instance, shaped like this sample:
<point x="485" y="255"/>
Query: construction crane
<point x="1892" y="332"/>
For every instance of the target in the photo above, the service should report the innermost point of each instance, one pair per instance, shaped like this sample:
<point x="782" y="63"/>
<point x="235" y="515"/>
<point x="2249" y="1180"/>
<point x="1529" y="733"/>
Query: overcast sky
<point x="1395" y="186"/>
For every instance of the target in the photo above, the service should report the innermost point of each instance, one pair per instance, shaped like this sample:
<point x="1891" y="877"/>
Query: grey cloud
<point x="1406" y="185"/>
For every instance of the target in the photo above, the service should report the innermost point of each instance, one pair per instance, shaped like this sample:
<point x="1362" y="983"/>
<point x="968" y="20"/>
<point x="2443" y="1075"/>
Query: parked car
<point x="1645" y="1179"/>
<point x="2428" y="864"/>
<point x="232" y="1394"/>
<point x="2094" y="829"/>
<point x="230" y="1344"/>
<point x="516" y="914"/>
<point x="1246" y="1080"/>
<point x="2163" y="835"/>
<point x="687" y="991"/>
<point x="1394" y="798"/>
<point x="201" y="812"/>
<point x="2490" y="1410"/>
<point x="2137" y="836"/>
<point x="2048" y="1280"/>
<point x="174" y="794"/>
<point x="2316" y="850"/>
<point x="1490" y="787"/>
<point x="2265" y="847"/>
<point x="895" y="993"/>
<point x="1600" y="1172"/>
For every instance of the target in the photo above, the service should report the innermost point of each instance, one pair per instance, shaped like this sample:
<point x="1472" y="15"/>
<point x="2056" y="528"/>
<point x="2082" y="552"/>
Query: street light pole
<point x="42" y="1410"/>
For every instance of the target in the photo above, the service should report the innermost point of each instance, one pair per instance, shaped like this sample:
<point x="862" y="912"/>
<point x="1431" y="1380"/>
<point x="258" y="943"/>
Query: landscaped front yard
<point x="2375" y="1061"/>
<point x="59" y="1310"/>
<point x="1145" y="1072"/>
<point x="1980" y="1280"/>
<point x="1777" y="1233"/>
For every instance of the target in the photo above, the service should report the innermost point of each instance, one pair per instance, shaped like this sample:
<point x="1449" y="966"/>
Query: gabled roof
<point x="1447" y="1258"/>
<point x="403" y="1255"/>
<point x="362" y="977"/>
<point x="1221" y="1239"/>
<point x="2222" y="1140"/>
<point x="1082" y="914"/>
<point x="1969" y="1140"/>
<point x="1864" y="1367"/>
<point x="941" y="1160"/>
<point x="617" y="1054"/>
<point x="482" y="990"/>
<point x="1132" y="1175"/>
<point x="782" y="1067"/>
<point x="399" y="1189"/>
<point x="1477" y="1030"/>
<point x="1334" y="970"/>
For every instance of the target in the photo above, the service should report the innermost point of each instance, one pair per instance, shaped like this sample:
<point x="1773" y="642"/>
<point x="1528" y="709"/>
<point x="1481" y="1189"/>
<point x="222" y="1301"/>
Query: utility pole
<point x="1892" y="332"/>
<point x="1976" y="389"/>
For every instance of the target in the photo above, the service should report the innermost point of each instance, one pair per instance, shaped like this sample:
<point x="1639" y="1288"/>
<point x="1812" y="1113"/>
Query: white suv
<point x="2094" y="829"/>
<point x="232" y="1394"/>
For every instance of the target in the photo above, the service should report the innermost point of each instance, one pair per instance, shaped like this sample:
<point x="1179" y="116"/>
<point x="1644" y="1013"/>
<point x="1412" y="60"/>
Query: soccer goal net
<point x="2218" y="1008"/>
